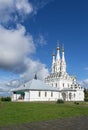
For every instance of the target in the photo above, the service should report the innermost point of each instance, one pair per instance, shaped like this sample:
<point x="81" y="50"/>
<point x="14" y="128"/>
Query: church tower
<point x="68" y="88"/>
<point x="53" y="63"/>
<point x="58" y="60"/>
<point x="63" y="62"/>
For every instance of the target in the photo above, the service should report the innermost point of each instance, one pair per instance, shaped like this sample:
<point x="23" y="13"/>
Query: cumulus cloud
<point x="5" y="3"/>
<point x="24" y="6"/>
<point x="41" y="40"/>
<point x="4" y="86"/>
<point x="84" y="83"/>
<point x="14" y="47"/>
<point x="4" y="89"/>
<point x="35" y="67"/>
<point x="12" y="9"/>
<point x="15" y="10"/>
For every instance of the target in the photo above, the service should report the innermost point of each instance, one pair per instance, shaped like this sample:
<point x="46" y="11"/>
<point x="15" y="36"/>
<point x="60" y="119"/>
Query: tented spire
<point x="58" y="52"/>
<point x="63" y="57"/>
<point x="53" y="55"/>
<point x="63" y="63"/>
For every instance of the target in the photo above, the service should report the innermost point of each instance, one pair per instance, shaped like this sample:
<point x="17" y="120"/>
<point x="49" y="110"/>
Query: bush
<point x="60" y="101"/>
<point x="6" y="99"/>
<point x="77" y="103"/>
<point x="86" y="99"/>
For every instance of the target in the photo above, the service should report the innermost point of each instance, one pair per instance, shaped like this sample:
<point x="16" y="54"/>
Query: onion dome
<point x="58" y="48"/>
<point x="53" y="54"/>
<point x="63" y="48"/>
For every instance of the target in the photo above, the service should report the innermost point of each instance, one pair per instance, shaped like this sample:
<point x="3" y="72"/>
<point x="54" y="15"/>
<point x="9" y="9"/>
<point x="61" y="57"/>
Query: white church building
<point x="58" y="85"/>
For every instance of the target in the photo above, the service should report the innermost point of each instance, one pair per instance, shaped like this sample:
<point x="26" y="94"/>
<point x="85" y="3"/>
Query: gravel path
<point x="75" y="123"/>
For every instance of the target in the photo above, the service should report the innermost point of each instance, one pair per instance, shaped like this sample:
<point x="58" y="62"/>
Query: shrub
<point x="6" y="99"/>
<point x="86" y="99"/>
<point x="60" y="101"/>
<point x="77" y="103"/>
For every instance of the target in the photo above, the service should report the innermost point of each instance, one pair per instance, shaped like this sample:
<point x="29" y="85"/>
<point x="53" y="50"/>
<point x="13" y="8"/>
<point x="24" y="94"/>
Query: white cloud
<point x="35" y="67"/>
<point x="14" y="47"/>
<point x="10" y="8"/>
<point x="17" y="10"/>
<point x="4" y="89"/>
<point x="24" y="6"/>
<point x="84" y="83"/>
<point x="6" y="3"/>
<point x="41" y="40"/>
<point x="4" y="86"/>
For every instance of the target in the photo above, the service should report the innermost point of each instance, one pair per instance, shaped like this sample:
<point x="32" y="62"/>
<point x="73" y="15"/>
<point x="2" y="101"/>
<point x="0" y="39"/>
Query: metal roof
<point x="35" y="85"/>
<point x="68" y="89"/>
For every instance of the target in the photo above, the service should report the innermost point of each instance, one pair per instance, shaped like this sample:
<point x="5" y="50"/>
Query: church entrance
<point x="70" y="96"/>
<point x="22" y="95"/>
<point x="64" y="96"/>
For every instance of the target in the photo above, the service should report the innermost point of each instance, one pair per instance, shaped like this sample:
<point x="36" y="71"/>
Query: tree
<point x="86" y="93"/>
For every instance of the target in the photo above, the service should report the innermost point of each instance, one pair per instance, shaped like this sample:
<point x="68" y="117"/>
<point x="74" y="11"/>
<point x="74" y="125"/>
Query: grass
<point x="20" y="112"/>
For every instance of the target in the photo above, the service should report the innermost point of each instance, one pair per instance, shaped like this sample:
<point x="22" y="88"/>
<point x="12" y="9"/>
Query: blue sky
<point x="29" y="33"/>
<point x="66" y="21"/>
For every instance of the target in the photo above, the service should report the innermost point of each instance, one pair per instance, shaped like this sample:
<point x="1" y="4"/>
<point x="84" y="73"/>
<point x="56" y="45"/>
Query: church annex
<point x="58" y="85"/>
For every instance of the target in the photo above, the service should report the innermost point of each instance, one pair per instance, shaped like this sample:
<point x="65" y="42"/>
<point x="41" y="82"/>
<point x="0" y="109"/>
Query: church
<point x="69" y="89"/>
<point x="58" y="85"/>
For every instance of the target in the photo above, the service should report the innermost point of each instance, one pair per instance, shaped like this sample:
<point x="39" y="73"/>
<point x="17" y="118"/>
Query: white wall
<point x="15" y="97"/>
<point x="60" y="83"/>
<point x="79" y="95"/>
<point x="27" y="96"/>
<point x="34" y="96"/>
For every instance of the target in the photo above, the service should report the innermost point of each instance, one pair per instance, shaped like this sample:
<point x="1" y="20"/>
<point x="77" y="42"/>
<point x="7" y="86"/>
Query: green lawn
<point x="19" y="112"/>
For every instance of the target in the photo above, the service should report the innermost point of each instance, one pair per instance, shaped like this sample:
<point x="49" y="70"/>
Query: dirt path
<point x="75" y="123"/>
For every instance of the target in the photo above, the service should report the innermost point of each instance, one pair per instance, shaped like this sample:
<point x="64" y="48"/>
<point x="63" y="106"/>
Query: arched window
<point x="51" y="94"/>
<point x="39" y="94"/>
<point x="74" y="95"/>
<point x="63" y="85"/>
<point x="45" y="94"/>
<point x="64" y="96"/>
<point x="70" y="96"/>
<point x="68" y="85"/>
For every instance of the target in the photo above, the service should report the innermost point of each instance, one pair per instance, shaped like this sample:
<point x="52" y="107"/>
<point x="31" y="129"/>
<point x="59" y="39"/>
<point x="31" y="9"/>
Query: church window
<point x="68" y="85"/>
<point x="56" y="84"/>
<point x="70" y="96"/>
<point x="63" y="85"/>
<point x="45" y="94"/>
<point x="51" y="94"/>
<point x="74" y="95"/>
<point x="39" y="94"/>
